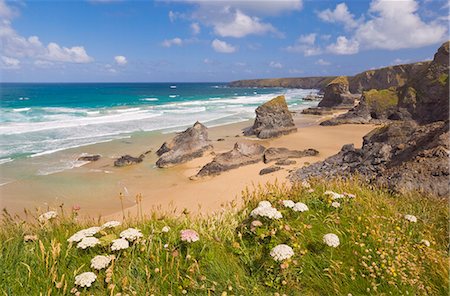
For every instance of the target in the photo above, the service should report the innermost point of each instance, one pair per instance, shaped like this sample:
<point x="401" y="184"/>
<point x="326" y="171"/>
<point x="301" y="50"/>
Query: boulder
<point x="273" y="119"/>
<point x="187" y="145"/>
<point x="285" y="162"/>
<point x="242" y="154"/>
<point x="127" y="160"/>
<point x="94" y="157"/>
<point x="269" y="170"/>
<point x="317" y="111"/>
<point x="337" y="94"/>
<point x="273" y="154"/>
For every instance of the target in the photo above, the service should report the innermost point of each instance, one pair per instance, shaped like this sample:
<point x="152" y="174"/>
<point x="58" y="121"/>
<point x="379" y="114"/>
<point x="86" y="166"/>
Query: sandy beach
<point x="96" y="186"/>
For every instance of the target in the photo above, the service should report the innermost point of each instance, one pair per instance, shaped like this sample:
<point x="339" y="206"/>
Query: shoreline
<point x="96" y="186"/>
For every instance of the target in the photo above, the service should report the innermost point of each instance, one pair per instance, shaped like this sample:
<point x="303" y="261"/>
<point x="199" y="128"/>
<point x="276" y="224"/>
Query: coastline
<point x="96" y="186"/>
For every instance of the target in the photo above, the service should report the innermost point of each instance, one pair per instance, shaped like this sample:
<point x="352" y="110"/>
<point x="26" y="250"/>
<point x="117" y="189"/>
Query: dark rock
<point x="285" y="162"/>
<point x="242" y="154"/>
<point x="273" y="119"/>
<point x="337" y="94"/>
<point x="273" y="154"/>
<point x="127" y="160"/>
<point x="220" y="140"/>
<point x="187" y="145"/>
<point x="313" y="97"/>
<point x="89" y="157"/>
<point x="317" y="111"/>
<point x="269" y="170"/>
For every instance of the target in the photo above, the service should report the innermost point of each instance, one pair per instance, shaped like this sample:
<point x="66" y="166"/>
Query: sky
<point x="212" y="41"/>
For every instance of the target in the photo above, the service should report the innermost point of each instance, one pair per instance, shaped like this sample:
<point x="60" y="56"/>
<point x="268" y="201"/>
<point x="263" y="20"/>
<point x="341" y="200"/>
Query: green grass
<point x="380" y="253"/>
<point x="380" y="100"/>
<point x="339" y="80"/>
<point x="443" y="79"/>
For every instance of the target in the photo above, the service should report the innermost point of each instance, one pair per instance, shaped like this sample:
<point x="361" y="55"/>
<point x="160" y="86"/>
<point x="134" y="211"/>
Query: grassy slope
<point x="380" y="252"/>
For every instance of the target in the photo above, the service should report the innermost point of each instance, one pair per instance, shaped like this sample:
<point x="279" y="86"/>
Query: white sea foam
<point x="21" y="109"/>
<point x="5" y="160"/>
<point x="149" y="99"/>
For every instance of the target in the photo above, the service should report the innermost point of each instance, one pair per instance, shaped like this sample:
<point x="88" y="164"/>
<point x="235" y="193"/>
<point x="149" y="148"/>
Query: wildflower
<point x="264" y="204"/>
<point x="331" y="240"/>
<point x="256" y="223"/>
<point x="111" y="224"/>
<point x="425" y="242"/>
<point x="119" y="244"/>
<point x="131" y="234"/>
<point x="300" y="207"/>
<point x="189" y="235"/>
<point x="165" y="229"/>
<point x="335" y="204"/>
<point x="288" y="203"/>
<point x="85" y="279"/>
<point x="88" y="242"/>
<point x="281" y="252"/>
<point x="30" y="237"/>
<point x="166" y="246"/>
<point x="100" y="262"/>
<point x="268" y="212"/>
<point x="91" y="230"/>
<point x="78" y="236"/>
<point x="76" y="208"/>
<point x="349" y="195"/>
<point x="333" y="195"/>
<point x="47" y="216"/>
<point x="411" y="218"/>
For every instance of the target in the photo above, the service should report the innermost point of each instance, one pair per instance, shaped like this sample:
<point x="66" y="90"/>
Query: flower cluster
<point x="111" y="224"/>
<point x="131" y="234"/>
<point x="85" y="279"/>
<point x="411" y="218"/>
<point x="300" y="207"/>
<point x="120" y="244"/>
<point x="165" y="229"/>
<point x="265" y="209"/>
<point x="281" y="252"/>
<point x="333" y="194"/>
<point x="88" y="242"/>
<point x="189" y="235"/>
<point x="288" y="203"/>
<point x="331" y="239"/>
<point x="47" y="216"/>
<point x="335" y="204"/>
<point x="100" y="262"/>
<point x="78" y="236"/>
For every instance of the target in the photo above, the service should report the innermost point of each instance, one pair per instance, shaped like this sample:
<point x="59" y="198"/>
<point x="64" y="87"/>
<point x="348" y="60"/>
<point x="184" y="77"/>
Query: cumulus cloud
<point x="9" y="63"/>
<point x="222" y="46"/>
<point x="339" y="15"/>
<point x="195" y="28"/>
<point x="344" y="46"/>
<point x="276" y="65"/>
<point x="305" y="44"/>
<point x="76" y="54"/>
<point x="120" y="60"/>
<point x="170" y="42"/>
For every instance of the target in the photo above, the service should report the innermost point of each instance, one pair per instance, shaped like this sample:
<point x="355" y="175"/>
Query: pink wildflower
<point x="189" y="235"/>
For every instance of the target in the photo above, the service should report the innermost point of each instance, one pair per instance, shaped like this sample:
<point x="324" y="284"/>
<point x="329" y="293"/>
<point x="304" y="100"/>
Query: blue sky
<point x="199" y="40"/>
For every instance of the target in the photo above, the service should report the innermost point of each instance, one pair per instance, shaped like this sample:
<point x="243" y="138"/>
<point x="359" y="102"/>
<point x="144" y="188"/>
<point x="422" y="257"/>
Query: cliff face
<point x="305" y="82"/>
<point x="337" y="94"/>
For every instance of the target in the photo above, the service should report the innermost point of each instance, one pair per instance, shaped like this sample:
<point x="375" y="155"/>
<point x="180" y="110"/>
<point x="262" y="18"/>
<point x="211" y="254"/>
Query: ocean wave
<point x="21" y="109"/>
<point x="5" y="160"/>
<point x="149" y="99"/>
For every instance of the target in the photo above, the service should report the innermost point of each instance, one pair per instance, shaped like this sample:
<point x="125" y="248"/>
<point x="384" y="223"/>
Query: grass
<point x="340" y="80"/>
<point x="380" y="100"/>
<point x="380" y="253"/>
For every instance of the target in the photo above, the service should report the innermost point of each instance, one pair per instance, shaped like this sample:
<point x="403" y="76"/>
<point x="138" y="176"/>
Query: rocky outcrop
<point x="317" y="111"/>
<point x="303" y="82"/>
<point x="94" y="157"/>
<point x="273" y="119"/>
<point x="242" y="154"/>
<point x="127" y="160"/>
<point x="273" y="154"/>
<point x="285" y="162"/>
<point x="187" y="145"/>
<point x="376" y="106"/>
<point x="400" y="156"/>
<point x="337" y="94"/>
<point x="269" y="170"/>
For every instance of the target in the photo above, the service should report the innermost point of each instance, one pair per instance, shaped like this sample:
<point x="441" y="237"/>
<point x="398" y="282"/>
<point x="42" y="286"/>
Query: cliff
<point x="304" y="82"/>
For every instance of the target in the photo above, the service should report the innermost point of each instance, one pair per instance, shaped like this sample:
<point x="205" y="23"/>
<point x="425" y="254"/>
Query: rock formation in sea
<point x="406" y="154"/>
<point x="337" y="94"/>
<point x="127" y="160"/>
<point x="185" y="146"/>
<point x="94" y="157"/>
<point x="241" y="154"/>
<point x="273" y="119"/>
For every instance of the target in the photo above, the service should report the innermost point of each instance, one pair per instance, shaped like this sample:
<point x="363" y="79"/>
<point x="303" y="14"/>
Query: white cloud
<point x="242" y="25"/>
<point x="339" y="15"/>
<point x="170" y="42"/>
<point x="276" y="65"/>
<point x="222" y="46"/>
<point x="43" y="64"/>
<point x="5" y="11"/>
<point x="343" y="46"/>
<point x="323" y="62"/>
<point x="9" y="63"/>
<point x="305" y="44"/>
<point x="76" y="54"/>
<point x="172" y="16"/>
<point x="120" y="60"/>
<point x="195" y="28"/>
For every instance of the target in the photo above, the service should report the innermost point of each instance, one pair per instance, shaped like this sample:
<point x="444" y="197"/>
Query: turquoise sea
<point x="39" y="119"/>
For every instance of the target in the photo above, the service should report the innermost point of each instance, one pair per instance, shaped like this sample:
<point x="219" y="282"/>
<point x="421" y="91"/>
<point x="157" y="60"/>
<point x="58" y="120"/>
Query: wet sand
<point x="96" y="186"/>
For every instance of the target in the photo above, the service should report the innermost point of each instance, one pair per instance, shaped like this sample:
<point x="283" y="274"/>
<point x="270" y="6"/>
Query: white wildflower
<point x="120" y="244"/>
<point x="91" y="230"/>
<point x="300" y="207"/>
<point x="165" y="229"/>
<point x="425" y="242"/>
<point x="333" y="195"/>
<point x="331" y="239"/>
<point x="111" y="224"/>
<point x="281" y="252"/>
<point x="264" y="204"/>
<point x="335" y="204"/>
<point x="47" y="216"/>
<point x="100" y="262"/>
<point x="268" y="212"/>
<point x="88" y="242"/>
<point x="349" y="195"/>
<point x="78" y="236"/>
<point x="131" y="234"/>
<point x="288" y="203"/>
<point x="411" y="218"/>
<point x="85" y="279"/>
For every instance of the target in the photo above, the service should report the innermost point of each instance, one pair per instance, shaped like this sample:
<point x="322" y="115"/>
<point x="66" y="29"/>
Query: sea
<point x="43" y="118"/>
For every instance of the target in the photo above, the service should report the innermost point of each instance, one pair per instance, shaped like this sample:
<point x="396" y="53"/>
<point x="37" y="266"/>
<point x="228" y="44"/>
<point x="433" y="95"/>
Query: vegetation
<point x="340" y="80"/>
<point x="443" y="79"/>
<point x="381" y="100"/>
<point x="380" y="252"/>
